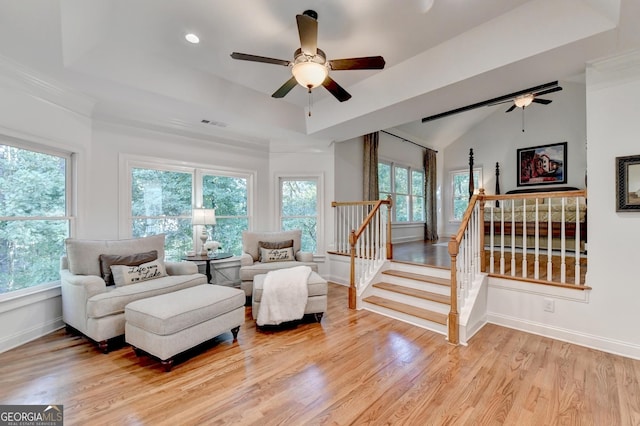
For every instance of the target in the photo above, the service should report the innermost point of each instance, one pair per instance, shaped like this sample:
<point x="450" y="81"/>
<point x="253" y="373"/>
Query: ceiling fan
<point x="526" y="99"/>
<point x="310" y="67"/>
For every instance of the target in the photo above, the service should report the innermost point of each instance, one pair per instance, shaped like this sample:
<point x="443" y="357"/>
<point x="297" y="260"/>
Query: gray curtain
<point x="370" y="168"/>
<point x="430" y="188"/>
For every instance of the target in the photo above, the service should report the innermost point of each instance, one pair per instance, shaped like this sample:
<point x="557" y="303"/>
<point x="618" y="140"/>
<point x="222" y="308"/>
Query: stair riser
<point x="419" y="322"/>
<point x="413" y="301"/>
<point x="424" y="270"/>
<point x="419" y="285"/>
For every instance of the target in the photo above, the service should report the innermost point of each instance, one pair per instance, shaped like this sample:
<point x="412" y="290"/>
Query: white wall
<point x="29" y="118"/>
<point x="608" y="319"/>
<point x="41" y="118"/>
<point x="349" y="162"/>
<point x="497" y="138"/>
<point x="110" y="142"/>
<point x="316" y="162"/>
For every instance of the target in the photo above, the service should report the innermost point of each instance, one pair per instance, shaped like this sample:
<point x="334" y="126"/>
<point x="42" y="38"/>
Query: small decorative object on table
<point x="212" y="247"/>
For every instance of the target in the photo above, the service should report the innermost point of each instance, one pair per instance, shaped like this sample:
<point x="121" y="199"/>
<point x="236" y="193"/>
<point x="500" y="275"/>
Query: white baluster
<point x="578" y="278"/>
<point x="491" y="249"/>
<point x="549" y="246"/>
<point x="502" y="239"/>
<point x="513" y="238"/>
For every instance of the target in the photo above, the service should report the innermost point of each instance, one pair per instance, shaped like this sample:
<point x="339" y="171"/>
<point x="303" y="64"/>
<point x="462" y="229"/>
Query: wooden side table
<point x="207" y="259"/>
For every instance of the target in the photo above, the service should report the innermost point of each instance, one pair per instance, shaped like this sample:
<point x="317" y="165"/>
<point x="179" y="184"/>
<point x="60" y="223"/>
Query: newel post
<point x="352" y="272"/>
<point x="483" y="261"/>
<point x="453" y="312"/>
<point x="389" y="245"/>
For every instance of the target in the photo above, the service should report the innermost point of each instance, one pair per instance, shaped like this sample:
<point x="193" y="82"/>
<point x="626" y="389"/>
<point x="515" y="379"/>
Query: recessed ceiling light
<point x="192" y="38"/>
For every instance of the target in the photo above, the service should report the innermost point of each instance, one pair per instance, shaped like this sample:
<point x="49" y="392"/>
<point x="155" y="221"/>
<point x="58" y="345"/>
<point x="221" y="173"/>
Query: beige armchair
<point x="96" y="309"/>
<point x="251" y="263"/>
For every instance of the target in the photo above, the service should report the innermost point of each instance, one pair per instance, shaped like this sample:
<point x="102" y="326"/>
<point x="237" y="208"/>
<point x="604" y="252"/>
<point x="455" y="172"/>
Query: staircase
<point x="416" y="294"/>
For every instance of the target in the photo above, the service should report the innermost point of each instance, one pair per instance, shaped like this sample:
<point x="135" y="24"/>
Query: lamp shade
<point x="203" y="216"/>
<point x="309" y="74"/>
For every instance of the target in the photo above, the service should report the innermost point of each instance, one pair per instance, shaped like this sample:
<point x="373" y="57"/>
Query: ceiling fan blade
<point x="542" y="101"/>
<point x="511" y="108"/>
<point x="365" y="63"/>
<point x="285" y="88"/>
<point x="544" y="92"/>
<point x="308" y="31"/>
<point x="336" y="90"/>
<point x="254" y="58"/>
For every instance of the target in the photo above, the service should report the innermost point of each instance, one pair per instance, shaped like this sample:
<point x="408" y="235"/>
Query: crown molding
<point x="614" y="70"/>
<point x="192" y="131"/>
<point x="23" y="78"/>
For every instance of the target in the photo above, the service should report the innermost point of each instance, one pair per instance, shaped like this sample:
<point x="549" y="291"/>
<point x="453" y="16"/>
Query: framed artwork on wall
<point x="628" y="183"/>
<point x="542" y="165"/>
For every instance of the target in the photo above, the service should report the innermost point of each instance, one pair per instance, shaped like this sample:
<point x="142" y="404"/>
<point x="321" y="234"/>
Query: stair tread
<point x="408" y="309"/>
<point x="418" y="277"/>
<point x="414" y="292"/>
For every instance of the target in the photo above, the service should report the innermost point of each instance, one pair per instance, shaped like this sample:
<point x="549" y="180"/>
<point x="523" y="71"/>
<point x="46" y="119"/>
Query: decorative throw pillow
<point x="106" y="260"/>
<point x="125" y="275"/>
<point x="276" y="255"/>
<point x="273" y="245"/>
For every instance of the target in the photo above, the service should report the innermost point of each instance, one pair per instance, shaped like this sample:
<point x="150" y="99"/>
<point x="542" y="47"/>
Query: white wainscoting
<point x="29" y="316"/>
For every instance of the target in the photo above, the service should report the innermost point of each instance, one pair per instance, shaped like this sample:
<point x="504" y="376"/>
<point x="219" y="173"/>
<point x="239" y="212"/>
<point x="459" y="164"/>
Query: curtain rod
<point x="407" y="140"/>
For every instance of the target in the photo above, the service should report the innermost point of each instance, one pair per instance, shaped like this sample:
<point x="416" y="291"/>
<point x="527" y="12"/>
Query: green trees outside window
<point x="406" y="187"/>
<point x="299" y="209"/>
<point x="34" y="218"/>
<point x="460" y="191"/>
<point x="228" y="195"/>
<point x="162" y="200"/>
<point x="161" y="204"/>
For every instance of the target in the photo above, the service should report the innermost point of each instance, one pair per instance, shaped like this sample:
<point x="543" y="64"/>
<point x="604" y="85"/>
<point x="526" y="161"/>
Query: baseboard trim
<point x="32" y="333"/>
<point x="604" y="344"/>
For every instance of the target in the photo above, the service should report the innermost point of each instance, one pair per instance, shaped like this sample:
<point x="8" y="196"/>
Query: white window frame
<point x="393" y="193"/>
<point x="319" y="178"/>
<point x="465" y="172"/>
<point x="129" y="162"/>
<point x="70" y="203"/>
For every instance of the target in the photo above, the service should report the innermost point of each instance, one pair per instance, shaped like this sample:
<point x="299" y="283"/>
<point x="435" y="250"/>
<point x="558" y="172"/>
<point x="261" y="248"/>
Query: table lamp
<point x="203" y="217"/>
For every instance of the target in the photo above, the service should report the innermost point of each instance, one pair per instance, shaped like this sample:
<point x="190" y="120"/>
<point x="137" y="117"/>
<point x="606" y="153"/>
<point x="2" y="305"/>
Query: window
<point x="161" y="204"/>
<point x="35" y="219"/>
<point x="460" y="191"/>
<point x="299" y="209"/>
<point x="162" y="197"/>
<point x="229" y="196"/>
<point x="405" y="185"/>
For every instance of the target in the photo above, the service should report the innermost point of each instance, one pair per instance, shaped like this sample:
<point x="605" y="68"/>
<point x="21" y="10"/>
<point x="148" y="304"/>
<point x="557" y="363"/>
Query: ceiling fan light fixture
<point x="192" y="38"/>
<point x="309" y="74"/>
<point x="524" y="100"/>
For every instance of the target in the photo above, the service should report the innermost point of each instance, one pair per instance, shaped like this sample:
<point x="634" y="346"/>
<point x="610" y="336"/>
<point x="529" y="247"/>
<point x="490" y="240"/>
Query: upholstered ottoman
<point x="316" y="301"/>
<point x="169" y="324"/>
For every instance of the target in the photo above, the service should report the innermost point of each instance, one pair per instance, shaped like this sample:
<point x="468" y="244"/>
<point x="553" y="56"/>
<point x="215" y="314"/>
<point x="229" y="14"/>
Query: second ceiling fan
<point x="526" y="99"/>
<point x="310" y="67"/>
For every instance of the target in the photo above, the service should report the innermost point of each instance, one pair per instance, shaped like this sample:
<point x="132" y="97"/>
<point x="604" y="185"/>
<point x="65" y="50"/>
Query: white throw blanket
<point x="284" y="295"/>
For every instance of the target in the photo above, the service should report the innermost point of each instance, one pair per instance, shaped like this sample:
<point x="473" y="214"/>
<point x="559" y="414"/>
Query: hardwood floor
<point x="356" y="367"/>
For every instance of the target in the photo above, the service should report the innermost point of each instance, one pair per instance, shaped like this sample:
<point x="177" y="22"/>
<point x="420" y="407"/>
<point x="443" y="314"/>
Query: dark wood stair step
<point x="420" y="294"/>
<point x="418" y="277"/>
<point x="424" y="314"/>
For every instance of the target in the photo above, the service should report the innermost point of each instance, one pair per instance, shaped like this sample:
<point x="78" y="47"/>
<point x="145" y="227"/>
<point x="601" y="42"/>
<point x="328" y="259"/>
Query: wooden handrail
<point x="355" y="235"/>
<point x="454" y="248"/>
<point x="370" y="216"/>
<point x="353" y="203"/>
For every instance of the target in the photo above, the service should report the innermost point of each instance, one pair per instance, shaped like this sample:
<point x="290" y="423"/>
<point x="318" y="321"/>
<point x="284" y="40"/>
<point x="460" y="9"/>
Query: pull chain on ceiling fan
<point x="310" y="67"/>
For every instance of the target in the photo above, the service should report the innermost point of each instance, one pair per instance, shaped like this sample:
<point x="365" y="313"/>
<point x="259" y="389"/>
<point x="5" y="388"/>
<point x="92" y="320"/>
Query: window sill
<point x="29" y="296"/>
